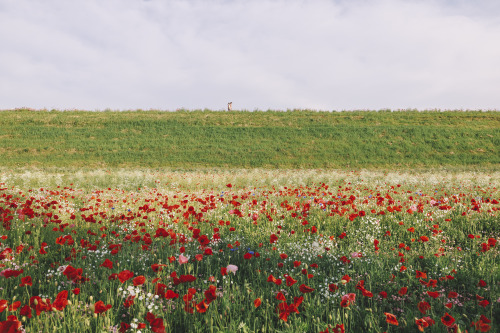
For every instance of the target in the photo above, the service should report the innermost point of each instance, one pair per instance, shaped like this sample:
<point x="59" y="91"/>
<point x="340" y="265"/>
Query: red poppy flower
<point x="257" y="302"/>
<point x="421" y="275"/>
<point x="296" y="263"/>
<point x="11" y="273"/>
<point x="403" y="291"/>
<point x="345" y="303"/>
<point x="333" y="287"/>
<point x="125" y="275"/>
<point x="171" y="294"/>
<point x="14" y="306"/>
<point x="283" y="256"/>
<point x="61" y="300"/>
<point x="157" y="267"/>
<point x="391" y="319"/>
<point x="139" y="280"/>
<point x="210" y="294"/>
<point x="157" y="325"/>
<point x="107" y="264"/>
<point x="76" y="291"/>
<point x="273" y="238"/>
<point x="247" y="256"/>
<point x="26" y="281"/>
<point x="447" y="319"/>
<point x="202" y="307"/>
<point x="100" y="307"/>
<point x="10" y="325"/>
<point x="484" y="303"/>
<point x="423" y="307"/>
<point x="223" y="271"/>
<point x="481" y="283"/>
<point x="433" y="294"/>
<point x="305" y="289"/>
<point x="129" y="301"/>
<point x="25" y="311"/>
<point x="281" y="297"/>
<point x="290" y="281"/>
<point x="424" y="238"/>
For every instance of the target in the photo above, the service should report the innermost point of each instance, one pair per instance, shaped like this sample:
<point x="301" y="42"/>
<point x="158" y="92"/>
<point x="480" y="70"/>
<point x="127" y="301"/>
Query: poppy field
<point x="256" y="251"/>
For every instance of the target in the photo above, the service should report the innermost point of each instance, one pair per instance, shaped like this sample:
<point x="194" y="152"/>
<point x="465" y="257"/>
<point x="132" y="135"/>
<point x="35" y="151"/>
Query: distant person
<point x="229" y="106"/>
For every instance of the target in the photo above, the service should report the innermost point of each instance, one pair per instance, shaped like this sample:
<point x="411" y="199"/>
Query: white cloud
<point x="261" y="54"/>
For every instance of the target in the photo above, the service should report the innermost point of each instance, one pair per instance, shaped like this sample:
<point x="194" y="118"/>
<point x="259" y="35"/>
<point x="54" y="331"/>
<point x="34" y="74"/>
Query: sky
<point x="258" y="54"/>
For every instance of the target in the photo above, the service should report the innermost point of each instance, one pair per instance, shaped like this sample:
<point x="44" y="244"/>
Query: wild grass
<point x="285" y="140"/>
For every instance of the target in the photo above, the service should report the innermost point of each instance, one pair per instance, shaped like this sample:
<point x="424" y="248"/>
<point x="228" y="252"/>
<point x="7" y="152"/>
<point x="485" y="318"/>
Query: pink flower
<point x="356" y="255"/>
<point x="232" y="268"/>
<point x="183" y="259"/>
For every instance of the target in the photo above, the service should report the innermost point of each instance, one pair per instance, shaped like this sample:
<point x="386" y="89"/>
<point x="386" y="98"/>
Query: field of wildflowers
<point x="249" y="251"/>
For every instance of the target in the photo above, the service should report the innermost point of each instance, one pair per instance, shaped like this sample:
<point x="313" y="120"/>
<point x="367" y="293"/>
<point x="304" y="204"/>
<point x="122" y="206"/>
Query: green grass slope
<point x="271" y="139"/>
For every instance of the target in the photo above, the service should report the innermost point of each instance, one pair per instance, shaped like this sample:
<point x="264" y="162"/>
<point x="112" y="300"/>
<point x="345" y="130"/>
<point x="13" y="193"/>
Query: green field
<point x="271" y="139"/>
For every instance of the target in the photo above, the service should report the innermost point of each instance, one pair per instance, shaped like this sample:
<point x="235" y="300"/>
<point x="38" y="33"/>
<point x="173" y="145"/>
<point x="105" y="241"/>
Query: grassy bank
<point x="295" y="139"/>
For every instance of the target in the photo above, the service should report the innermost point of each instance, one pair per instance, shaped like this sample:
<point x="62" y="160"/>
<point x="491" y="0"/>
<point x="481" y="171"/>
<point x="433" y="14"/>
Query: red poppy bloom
<point x="76" y="291"/>
<point x="421" y="275"/>
<point x="107" y="264"/>
<point x="345" y="303"/>
<point x="26" y="281"/>
<point x="283" y="256"/>
<point x="403" y="291"/>
<point x="247" y="256"/>
<point x="10" y="325"/>
<point x="202" y="307"/>
<point x="14" y="306"/>
<point x="157" y="267"/>
<point x="171" y="294"/>
<point x="281" y="297"/>
<point x="139" y="280"/>
<point x="257" y="302"/>
<point x="100" y="307"/>
<point x="210" y="294"/>
<point x="424" y="238"/>
<point x="333" y="287"/>
<point x="433" y="294"/>
<point x="125" y="275"/>
<point x="290" y="281"/>
<point x="129" y="301"/>
<point x="273" y="238"/>
<point x="447" y="319"/>
<point x="391" y="319"/>
<point x="25" y="311"/>
<point x="305" y="289"/>
<point x="296" y="263"/>
<point x="484" y="303"/>
<point x="423" y="307"/>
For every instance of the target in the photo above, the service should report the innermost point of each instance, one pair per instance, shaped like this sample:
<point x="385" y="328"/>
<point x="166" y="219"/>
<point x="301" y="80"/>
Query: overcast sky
<point x="258" y="54"/>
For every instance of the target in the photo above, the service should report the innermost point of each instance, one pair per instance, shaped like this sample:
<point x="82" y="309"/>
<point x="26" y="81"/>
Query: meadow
<point x="204" y="221"/>
<point x="273" y="140"/>
<point x="249" y="251"/>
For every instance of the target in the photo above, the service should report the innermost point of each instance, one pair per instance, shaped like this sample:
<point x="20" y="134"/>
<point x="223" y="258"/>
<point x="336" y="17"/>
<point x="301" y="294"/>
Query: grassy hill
<point x="271" y="139"/>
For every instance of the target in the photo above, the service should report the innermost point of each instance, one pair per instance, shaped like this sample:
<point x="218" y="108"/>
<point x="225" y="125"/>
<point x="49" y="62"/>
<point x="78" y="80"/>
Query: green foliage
<point x="271" y="139"/>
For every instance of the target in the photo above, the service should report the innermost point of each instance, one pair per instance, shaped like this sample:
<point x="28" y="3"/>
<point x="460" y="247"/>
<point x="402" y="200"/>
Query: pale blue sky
<point x="259" y="54"/>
